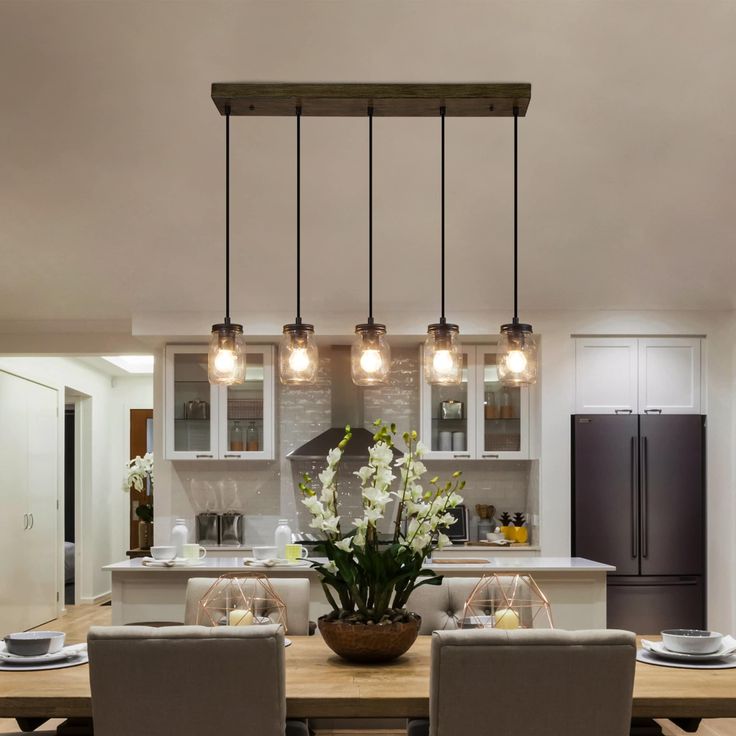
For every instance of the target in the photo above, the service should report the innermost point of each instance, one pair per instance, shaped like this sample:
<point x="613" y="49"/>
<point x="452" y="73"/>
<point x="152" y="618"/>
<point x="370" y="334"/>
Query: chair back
<point x="441" y="606"/>
<point x="535" y="682"/>
<point x="187" y="680"/>
<point x="294" y="592"/>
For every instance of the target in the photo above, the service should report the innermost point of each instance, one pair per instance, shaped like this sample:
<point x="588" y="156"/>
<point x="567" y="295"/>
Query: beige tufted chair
<point x="576" y="683"/>
<point x="294" y="592"/>
<point x="441" y="606"/>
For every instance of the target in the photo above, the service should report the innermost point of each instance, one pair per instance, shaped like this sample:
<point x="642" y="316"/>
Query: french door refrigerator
<point x="639" y="504"/>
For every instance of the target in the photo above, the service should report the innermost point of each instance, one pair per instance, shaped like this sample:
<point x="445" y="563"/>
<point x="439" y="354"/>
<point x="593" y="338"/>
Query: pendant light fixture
<point x="443" y="361"/>
<point x="298" y="356"/>
<point x="370" y="355"/>
<point x="517" y="347"/>
<point x="226" y="356"/>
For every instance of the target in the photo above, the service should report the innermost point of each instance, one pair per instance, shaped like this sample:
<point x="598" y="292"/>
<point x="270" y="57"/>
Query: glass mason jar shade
<point x="517" y="355"/>
<point x="370" y="355"/>
<point x="443" y="360"/>
<point x="298" y="355"/>
<point x="226" y="357"/>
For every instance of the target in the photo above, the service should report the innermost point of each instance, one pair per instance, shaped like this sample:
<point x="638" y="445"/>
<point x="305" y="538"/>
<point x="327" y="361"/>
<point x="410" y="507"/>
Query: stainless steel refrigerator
<point x="638" y="502"/>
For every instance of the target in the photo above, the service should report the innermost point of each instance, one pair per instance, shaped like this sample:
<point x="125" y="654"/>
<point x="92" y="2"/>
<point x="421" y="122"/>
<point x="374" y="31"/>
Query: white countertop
<point x="504" y="564"/>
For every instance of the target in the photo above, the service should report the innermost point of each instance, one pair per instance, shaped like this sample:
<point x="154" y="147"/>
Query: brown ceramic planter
<point x="364" y="643"/>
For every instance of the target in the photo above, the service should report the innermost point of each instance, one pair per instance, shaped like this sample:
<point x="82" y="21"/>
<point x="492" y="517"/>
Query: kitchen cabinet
<point x="479" y="419"/>
<point x="606" y="375"/>
<point x="669" y="375"/>
<point x="629" y="375"/>
<point x="29" y="498"/>
<point x="213" y="422"/>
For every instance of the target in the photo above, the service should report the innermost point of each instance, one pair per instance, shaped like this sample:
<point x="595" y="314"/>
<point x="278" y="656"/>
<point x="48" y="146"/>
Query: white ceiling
<point x="111" y="157"/>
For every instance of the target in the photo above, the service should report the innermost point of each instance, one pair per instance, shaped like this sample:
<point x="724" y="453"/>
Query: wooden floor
<point x="77" y="620"/>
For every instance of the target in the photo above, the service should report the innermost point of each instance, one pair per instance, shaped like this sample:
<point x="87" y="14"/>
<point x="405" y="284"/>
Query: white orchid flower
<point x="333" y="456"/>
<point x="327" y="476"/>
<point x="381" y="454"/>
<point x="365" y="473"/>
<point x="331" y="567"/>
<point x="346" y="545"/>
<point x="329" y="524"/>
<point x="443" y="541"/>
<point x="373" y="515"/>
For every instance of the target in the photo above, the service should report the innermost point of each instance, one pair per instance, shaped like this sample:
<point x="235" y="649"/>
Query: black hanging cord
<point x="442" y="116"/>
<point x="370" y="215"/>
<point x="298" y="213"/>
<point x="516" y="198"/>
<point x="227" y="215"/>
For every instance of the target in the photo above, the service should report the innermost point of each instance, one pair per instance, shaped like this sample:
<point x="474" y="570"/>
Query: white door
<point x="14" y="518"/>
<point x="606" y="375"/>
<point x="669" y="375"/>
<point x="42" y="545"/>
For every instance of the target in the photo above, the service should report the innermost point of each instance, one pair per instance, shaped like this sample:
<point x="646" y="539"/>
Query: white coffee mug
<point x="194" y="552"/>
<point x="264" y="553"/>
<point x="164" y="553"/>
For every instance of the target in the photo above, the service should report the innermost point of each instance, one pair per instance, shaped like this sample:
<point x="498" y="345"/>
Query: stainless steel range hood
<point x="347" y="408"/>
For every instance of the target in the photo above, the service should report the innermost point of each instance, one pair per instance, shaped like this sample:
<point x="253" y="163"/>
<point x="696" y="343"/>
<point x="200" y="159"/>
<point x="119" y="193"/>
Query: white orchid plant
<point x="367" y="578"/>
<point x="137" y="471"/>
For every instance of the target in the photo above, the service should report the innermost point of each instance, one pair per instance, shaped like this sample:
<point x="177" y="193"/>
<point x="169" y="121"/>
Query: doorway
<point x="69" y="503"/>
<point x="141" y="442"/>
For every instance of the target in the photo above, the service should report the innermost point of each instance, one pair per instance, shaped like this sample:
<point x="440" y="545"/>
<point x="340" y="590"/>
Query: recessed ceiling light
<point x="132" y="363"/>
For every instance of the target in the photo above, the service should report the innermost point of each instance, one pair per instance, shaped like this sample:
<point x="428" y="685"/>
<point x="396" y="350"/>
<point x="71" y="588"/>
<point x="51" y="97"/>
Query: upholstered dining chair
<point x="189" y="681"/>
<point x="530" y="682"/>
<point x="294" y="592"/>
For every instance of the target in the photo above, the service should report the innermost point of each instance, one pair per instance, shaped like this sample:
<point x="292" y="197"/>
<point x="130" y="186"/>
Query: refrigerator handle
<point x="644" y="499"/>
<point x="634" y="505"/>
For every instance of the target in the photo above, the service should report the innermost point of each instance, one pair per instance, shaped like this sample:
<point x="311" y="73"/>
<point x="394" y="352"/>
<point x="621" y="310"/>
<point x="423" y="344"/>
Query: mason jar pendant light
<point x="298" y="356"/>
<point x="443" y="360"/>
<point x="517" y="348"/>
<point x="370" y="354"/>
<point x="226" y="356"/>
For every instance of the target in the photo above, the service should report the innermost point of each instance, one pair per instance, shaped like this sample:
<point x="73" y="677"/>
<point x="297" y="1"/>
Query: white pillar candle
<point x="239" y="617"/>
<point x="506" y="618"/>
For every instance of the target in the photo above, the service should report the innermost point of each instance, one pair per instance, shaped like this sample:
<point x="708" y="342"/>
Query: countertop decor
<point x="367" y="580"/>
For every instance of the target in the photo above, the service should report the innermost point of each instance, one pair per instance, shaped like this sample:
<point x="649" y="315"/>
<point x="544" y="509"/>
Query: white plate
<point x="728" y="647"/>
<point x="725" y="663"/>
<point x="71" y="651"/>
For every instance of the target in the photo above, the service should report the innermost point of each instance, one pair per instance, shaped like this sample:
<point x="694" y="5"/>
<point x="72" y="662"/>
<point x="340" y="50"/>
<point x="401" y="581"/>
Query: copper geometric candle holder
<point x="507" y="602"/>
<point x="237" y="599"/>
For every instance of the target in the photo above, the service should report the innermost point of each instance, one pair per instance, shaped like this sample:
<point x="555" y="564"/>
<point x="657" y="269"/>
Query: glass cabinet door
<point x="503" y="415"/>
<point x="448" y="422"/>
<point x="191" y="405"/>
<point x="246" y="426"/>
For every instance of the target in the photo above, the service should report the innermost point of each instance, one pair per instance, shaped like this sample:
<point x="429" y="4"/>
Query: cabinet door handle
<point x="198" y="456"/>
<point x="634" y="504"/>
<point x="623" y="411"/>
<point x="461" y="454"/>
<point x="490" y="455"/>
<point x="31" y="526"/>
<point x="25" y="521"/>
<point x="232" y="456"/>
<point x="644" y="499"/>
<point x="652" y="411"/>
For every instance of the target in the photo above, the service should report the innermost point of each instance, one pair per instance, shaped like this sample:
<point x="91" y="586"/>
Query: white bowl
<point x="691" y="641"/>
<point x="34" y="643"/>
<point x="163" y="552"/>
<point x="494" y="536"/>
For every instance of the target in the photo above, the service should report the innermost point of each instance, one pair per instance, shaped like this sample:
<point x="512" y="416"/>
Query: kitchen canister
<point x="445" y="441"/>
<point x="458" y="441"/>
<point x="282" y="537"/>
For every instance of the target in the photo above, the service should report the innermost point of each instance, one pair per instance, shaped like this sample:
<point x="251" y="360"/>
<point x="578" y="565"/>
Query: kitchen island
<point x="575" y="587"/>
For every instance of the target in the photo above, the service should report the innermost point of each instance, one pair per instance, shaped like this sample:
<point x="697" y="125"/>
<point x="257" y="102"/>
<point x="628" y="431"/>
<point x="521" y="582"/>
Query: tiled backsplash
<point x="268" y="489"/>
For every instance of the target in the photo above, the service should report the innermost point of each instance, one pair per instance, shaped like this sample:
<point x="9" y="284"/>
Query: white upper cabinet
<point x="669" y="375"/>
<point x="479" y="419"/>
<point x="606" y="375"/>
<point x="637" y="375"/>
<point x="211" y="422"/>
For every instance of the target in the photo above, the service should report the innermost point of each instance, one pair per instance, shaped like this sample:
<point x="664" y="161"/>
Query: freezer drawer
<point x="648" y="605"/>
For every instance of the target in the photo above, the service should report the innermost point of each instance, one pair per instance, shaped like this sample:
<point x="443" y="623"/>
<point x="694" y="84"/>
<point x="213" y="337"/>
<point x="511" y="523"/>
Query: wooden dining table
<point x="320" y="685"/>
